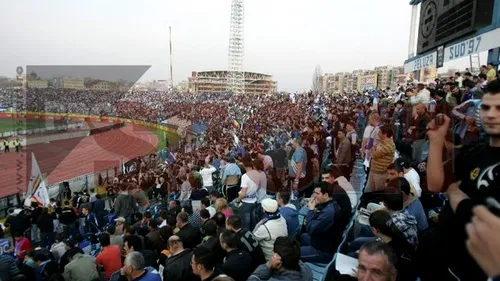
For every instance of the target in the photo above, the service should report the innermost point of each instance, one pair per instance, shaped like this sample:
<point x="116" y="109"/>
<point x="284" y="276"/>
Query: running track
<point x="67" y="159"/>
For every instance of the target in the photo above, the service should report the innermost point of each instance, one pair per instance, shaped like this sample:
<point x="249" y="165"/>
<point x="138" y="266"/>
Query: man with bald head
<point x="178" y="264"/>
<point x="418" y="130"/>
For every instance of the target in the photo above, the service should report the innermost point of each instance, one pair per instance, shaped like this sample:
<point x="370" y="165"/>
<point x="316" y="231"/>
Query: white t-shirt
<point x="206" y="176"/>
<point x="367" y="132"/>
<point x="251" y="186"/>
<point x="414" y="179"/>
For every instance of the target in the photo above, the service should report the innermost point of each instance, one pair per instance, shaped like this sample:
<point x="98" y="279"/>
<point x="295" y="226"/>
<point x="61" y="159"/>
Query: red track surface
<point x="67" y="159"/>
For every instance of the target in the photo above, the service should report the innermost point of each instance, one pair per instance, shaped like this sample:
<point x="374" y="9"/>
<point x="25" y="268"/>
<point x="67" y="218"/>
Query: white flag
<point x="37" y="188"/>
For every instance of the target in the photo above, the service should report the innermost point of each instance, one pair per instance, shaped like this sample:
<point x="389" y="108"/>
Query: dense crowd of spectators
<point x="274" y="192"/>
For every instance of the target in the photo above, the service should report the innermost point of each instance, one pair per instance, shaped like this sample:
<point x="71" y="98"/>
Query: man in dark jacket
<point x="322" y="236"/>
<point x="98" y="207"/>
<point x="211" y="240"/>
<point x="236" y="262"/>
<point x="8" y="268"/>
<point x="189" y="235"/>
<point x="68" y="219"/>
<point x="125" y="205"/>
<point x="246" y="240"/>
<point x="153" y="238"/>
<point x="91" y="226"/>
<point x="46" y="225"/>
<point x="178" y="264"/>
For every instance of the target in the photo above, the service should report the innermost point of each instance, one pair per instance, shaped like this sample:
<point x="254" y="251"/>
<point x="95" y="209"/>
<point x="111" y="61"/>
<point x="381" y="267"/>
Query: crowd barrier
<point x="48" y="129"/>
<point x="87" y="118"/>
<point x="106" y="129"/>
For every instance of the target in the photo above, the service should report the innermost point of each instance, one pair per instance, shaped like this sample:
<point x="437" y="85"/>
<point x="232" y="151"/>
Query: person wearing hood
<point x="404" y="221"/>
<point x="411" y="203"/>
<point x="289" y="212"/>
<point x="284" y="265"/>
<point x="272" y="226"/>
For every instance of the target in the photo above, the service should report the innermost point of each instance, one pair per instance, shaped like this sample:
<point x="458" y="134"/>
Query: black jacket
<point x="178" y="267"/>
<point x="190" y="236"/>
<point x="236" y="265"/>
<point x="214" y="245"/>
<point x="405" y="265"/>
<point x="340" y="196"/>
<point x="247" y="242"/>
<point x="46" y="223"/>
<point x="8" y="268"/>
<point x="68" y="216"/>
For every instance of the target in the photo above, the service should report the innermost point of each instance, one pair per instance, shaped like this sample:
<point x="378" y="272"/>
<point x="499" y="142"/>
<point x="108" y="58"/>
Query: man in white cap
<point x="120" y="226"/>
<point x="270" y="227"/>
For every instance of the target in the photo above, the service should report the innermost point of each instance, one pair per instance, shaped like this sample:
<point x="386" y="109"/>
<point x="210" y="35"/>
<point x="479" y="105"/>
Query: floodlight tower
<point x="236" y="77"/>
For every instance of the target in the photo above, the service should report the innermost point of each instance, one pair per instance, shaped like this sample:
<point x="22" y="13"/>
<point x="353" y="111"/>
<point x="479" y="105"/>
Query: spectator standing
<point x="68" y="219"/>
<point x="231" y="177"/>
<point x="248" y="194"/>
<point x="382" y="156"/>
<point x="297" y="165"/>
<point x="125" y="205"/>
<point x="206" y="175"/>
<point x="418" y="130"/>
<point x="343" y="154"/>
<point x="46" y="225"/>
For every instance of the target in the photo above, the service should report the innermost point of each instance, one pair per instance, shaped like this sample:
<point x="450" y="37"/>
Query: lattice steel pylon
<point x="236" y="77"/>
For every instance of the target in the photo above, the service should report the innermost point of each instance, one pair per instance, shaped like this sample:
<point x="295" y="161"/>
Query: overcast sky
<point x="285" y="38"/>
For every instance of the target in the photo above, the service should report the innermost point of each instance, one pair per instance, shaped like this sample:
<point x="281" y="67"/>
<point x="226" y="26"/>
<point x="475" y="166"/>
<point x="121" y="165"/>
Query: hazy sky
<point x="285" y="38"/>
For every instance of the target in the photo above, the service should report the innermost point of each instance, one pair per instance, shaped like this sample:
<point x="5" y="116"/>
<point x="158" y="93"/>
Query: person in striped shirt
<point x="382" y="156"/>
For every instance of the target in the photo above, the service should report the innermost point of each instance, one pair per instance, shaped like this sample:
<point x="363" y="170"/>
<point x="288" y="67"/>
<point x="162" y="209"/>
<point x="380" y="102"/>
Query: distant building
<point x="37" y="83"/>
<point x="215" y="81"/>
<point x="428" y="75"/>
<point x="384" y="75"/>
<point x="73" y="84"/>
<point x="101" y="86"/>
<point x="398" y="77"/>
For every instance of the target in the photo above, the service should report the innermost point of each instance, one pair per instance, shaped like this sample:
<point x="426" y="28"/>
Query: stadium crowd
<point x="276" y="191"/>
